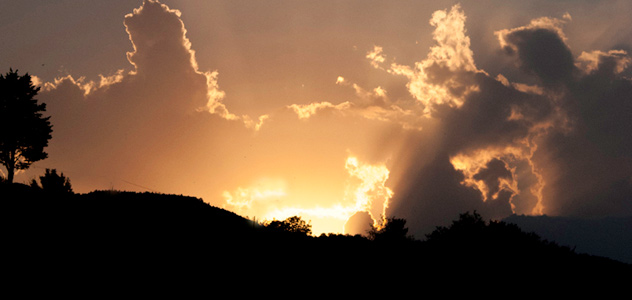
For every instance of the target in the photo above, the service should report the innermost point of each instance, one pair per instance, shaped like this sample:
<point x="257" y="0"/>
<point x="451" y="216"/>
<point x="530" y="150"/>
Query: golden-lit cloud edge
<point x="214" y="95"/>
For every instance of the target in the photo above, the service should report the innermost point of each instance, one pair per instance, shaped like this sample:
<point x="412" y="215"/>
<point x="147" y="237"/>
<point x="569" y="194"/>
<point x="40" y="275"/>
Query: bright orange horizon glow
<point x="364" y="190"/>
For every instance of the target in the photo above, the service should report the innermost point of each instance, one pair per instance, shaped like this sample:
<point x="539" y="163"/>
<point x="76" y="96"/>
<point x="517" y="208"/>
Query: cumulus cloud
<point x="503" y="147"/>
<point x="585" y="161"/>
<point x="156" y="118"/>
<point x="376" y="56"/>
<point x="477" y="153"/>
<point x="163" y="57"/>
<point x="370" y="194"/>
<point x="442" y="78"/>
<point x="541" y="50"/>
<point x="481" y="139"/>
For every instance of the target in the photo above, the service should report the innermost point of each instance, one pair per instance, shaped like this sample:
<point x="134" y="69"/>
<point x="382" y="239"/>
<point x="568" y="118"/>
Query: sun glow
<point x="273" y="199"/>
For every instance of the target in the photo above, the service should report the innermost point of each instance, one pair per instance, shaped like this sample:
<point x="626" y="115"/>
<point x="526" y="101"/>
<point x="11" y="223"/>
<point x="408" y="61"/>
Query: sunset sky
<point x="342" y="112"/>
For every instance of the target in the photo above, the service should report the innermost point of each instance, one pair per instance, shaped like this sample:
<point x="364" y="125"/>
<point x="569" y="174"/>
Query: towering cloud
<point x="558" y="147"/>
<point x="586" y="162"/>
<point x="131" y="122"/>
<point x="442" y="78"/>
<point x="162" y="59"/>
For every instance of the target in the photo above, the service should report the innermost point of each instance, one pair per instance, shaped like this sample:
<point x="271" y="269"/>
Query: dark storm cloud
<point x="561" y="147"/>
<point x="430" y="190"/>
<point x="593" y="175"/>
<point x="590" y="157"/>
<point x="543" y="53"/>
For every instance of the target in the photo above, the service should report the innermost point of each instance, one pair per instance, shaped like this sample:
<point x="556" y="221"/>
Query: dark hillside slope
<point x="607" y="237"/>
<point x="103" y="220"/>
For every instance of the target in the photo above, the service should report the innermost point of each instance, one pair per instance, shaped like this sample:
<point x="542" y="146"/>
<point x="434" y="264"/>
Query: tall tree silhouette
<point x="24" y="131"/>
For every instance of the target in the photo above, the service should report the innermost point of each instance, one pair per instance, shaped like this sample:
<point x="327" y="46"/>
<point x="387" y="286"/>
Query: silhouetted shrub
<point x="393" y="231"/>
<point x="292" y="225"/>
<point x="472" y="242"/>
<point x="54" y="183"/>
<point x="467" y="227"/>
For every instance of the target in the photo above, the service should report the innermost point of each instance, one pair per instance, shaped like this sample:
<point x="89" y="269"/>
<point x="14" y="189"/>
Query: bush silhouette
<point x="393" y="231"/>
<point x="54" y="183"/>
<point x="292" y="224"/>
<point x="472" y="242"/>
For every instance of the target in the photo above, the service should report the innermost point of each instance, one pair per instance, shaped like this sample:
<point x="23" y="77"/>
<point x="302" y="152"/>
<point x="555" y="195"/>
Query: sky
<point x="341" y="112"/>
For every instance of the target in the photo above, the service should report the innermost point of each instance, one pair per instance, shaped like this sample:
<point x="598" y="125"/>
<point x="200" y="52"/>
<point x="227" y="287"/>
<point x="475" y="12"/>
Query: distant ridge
<point x="607" y="237"/>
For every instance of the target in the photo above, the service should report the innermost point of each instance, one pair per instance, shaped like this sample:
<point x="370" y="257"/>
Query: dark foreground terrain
<point x="140" y="235"/>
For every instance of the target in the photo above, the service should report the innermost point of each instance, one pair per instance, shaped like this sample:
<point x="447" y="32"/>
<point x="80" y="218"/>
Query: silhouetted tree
<point x="53" y="183"/>
<point x="292" y="224"/>
<point x="394" y="230"/>
<point x="471" y="241"/>
<point x="468" y="226"/>
<point x="24" y="131"/>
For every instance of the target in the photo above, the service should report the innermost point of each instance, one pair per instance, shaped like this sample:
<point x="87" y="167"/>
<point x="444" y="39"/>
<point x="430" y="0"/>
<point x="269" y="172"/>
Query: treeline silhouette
<point x="152" y="231"/>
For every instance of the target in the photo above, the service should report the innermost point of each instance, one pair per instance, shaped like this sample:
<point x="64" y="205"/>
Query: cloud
<point x="480" y="138"/>
<point x="372" y="104"/>
<point x="440" y="134"/>
<point x="140" y="124"/>
<point x="541" y="49"/>
<point x="307" y="110"/>
<point x="477" y="150"/>
<point x="163" y="125"/>
<point x="370" y="194"/>
<point x="87" y="86"/>
<point x="252" y="198"/>
<point x="500" y="147"/>
<point x="453" y="45"/>
<point x="442" y="78"/>
<point x="585" y="160"/>
<point x="612" y="62"/>
<point x="376" y="56"/>
<point x="162" y="56"/>
<point x="365" y="192"/>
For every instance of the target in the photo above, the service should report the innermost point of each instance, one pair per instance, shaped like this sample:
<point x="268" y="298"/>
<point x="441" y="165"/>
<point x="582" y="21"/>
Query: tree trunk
<point x="10" y="171"/>
<point x="11" y="167"/>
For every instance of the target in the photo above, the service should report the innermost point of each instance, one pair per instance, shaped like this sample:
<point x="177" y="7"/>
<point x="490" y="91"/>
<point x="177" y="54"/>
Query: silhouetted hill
<point x="152" y="233"/>
<point x="608" y="237"/>
<point x="108" y="221"/>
